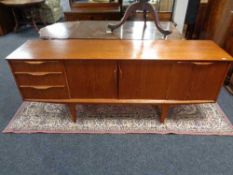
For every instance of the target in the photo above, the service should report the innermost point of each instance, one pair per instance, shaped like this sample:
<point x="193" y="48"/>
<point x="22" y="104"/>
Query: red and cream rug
<point x="204" y="119"/>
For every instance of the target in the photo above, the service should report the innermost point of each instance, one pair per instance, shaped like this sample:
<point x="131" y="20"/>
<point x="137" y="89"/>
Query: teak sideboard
<point x="119" y="72"/>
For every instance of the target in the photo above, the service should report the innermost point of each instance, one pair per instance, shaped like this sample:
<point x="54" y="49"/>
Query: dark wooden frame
<point x="145" y="6"/>
<point x="6" y="20"/>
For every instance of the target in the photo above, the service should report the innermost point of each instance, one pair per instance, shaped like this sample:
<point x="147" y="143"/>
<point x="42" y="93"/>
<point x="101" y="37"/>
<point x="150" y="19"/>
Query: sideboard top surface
<point x="181" y="50"/>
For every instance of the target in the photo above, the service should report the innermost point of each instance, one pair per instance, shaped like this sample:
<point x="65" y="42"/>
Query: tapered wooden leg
<point x="164" y="112"/>
<point x="73" y="112"/>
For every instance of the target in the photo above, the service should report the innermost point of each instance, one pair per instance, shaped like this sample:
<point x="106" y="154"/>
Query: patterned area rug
<point x="204" y="119"/>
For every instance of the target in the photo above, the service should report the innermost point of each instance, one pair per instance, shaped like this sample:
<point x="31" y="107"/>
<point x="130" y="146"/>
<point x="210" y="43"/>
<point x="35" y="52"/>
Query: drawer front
<point x="37" y="66"/>
<point x="92" y="16"/>
<point x="44" y="78"/>
<point x="43" y="92"/>
<point x="99" y="16"/>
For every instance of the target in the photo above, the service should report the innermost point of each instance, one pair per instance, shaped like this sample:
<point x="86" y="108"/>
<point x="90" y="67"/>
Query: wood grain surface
<point x="188" y="50"/>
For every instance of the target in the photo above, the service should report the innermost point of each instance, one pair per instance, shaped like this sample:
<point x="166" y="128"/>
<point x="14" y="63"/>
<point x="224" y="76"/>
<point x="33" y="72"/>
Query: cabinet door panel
<point x="92" y="79"/>
<point x="143" y="79"/>
<point x="206" y="80"/>
<point x="196" y="80"/>
<point x="180" y="81"/>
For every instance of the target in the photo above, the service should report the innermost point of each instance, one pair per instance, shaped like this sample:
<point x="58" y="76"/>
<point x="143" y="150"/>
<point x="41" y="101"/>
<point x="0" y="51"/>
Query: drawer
<point x="40" y="78"/>
<point x="44" y="92"/>
<point x="37" y="66"/>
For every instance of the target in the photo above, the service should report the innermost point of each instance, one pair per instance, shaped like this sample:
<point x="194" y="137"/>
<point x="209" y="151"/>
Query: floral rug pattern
<point x="203" y="119"/>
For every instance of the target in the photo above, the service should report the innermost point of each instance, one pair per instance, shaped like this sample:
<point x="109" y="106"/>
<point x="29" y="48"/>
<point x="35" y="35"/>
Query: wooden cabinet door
<point x="143" y="79"/>
<point x="206" y="80"/>
<point x="92" y="79"/>
<point x="180" y="81"/>
<point x="196" y="80"/>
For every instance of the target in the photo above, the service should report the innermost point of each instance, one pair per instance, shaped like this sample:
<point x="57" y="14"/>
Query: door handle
<point x="115" y="74"/>
<point x="37" y="73"/>
<point x="34" y="62"/>
<point x="42" y="87"/>
<point x="196" y="63"/>
<point x="120" y="72"/>
<point x="202" y="63"/>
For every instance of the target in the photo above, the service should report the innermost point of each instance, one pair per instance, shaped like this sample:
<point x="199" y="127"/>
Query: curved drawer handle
<point x="183" y="62"/>
<point x="38" y="73"/>
<point x="42" y="87"/>
<point x="196" y="63"/>
<point x="203" y="63"/>
<point x="34" y="62"/>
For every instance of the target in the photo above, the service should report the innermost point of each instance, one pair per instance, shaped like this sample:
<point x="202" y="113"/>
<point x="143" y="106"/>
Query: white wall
<point x="180" y="13"/>
<point x="65" y="5"/>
